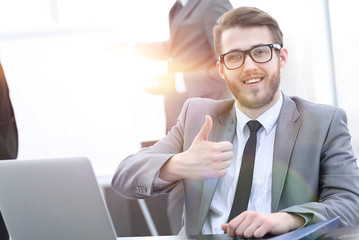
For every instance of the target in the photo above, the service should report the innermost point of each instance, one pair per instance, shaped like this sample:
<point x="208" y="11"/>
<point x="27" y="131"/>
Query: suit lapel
<point x="288" y="126"/>
<point x="224" y="129"/>
<point x="177" y="19"/>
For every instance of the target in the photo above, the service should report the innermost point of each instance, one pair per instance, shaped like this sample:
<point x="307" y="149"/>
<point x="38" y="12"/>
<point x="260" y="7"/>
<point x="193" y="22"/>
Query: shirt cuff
<point x="159" y="183"/>
<point x="179" y="82"/>
<point x="306" y="216"/>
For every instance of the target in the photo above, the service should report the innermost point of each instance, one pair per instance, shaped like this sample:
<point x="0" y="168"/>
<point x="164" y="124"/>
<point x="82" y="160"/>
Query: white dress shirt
<point x="183" y="2"/>
<point x="260" y="198"/>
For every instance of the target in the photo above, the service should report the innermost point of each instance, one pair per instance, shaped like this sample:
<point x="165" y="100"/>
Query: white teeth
<point x="254" y="80"/>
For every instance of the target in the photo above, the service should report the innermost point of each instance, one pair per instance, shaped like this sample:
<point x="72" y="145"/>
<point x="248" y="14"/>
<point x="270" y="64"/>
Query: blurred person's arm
<point x="154" y="51"/>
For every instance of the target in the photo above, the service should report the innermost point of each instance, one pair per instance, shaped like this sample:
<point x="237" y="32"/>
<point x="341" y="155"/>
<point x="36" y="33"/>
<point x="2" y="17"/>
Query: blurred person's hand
<point x="121" y="48"/>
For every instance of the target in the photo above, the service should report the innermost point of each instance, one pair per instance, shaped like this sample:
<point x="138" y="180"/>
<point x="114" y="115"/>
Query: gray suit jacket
<point x="314" y="169"/>
<point x="190" y="47"/>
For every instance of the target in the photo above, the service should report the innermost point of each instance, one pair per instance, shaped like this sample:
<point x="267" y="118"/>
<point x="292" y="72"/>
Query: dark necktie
<point x="244" y="184"/>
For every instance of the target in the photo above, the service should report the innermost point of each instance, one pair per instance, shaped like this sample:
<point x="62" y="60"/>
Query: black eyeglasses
<point x="260" y="54"/>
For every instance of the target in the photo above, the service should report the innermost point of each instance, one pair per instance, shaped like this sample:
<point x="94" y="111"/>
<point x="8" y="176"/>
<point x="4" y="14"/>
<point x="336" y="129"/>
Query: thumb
<point x="205" y="130"/>
<point x="224" y="227"/>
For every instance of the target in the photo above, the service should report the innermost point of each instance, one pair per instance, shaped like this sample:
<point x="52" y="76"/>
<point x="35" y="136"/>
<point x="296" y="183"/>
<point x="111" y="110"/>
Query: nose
<point x="249" y="64"/>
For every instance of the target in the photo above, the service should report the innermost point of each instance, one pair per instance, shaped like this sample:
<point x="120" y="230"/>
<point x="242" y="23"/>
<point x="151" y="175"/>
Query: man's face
<point x="254" y="85"/>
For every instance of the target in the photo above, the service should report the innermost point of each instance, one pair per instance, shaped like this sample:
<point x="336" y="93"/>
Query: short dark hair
<point x="245" y="17"/>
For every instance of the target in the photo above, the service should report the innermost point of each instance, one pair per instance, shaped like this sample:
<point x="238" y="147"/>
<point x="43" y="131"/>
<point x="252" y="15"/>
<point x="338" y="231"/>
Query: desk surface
<point x="343" y="233"/>
<point x="203" y="237"/>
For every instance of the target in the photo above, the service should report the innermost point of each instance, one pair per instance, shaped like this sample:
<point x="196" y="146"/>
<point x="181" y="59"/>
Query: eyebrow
<point x="239" y="50"/>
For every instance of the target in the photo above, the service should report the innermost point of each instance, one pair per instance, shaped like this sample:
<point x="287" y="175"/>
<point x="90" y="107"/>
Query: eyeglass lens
<point x="259" y="54"/>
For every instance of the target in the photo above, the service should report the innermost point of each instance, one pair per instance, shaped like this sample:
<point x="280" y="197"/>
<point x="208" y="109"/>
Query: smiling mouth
<point x="253" y="80"/>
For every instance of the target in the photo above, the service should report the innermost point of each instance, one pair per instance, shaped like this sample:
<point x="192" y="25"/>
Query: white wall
<point x="344" y="19"/>
<point x="73" y="95"/>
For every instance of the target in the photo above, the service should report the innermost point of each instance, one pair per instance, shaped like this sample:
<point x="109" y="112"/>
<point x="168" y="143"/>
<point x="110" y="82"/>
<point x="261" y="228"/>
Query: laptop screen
<point x="53" y="199"/>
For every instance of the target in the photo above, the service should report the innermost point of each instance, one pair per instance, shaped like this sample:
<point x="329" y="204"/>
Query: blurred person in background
<point x="8" y="135"/>
<point x="191" y="70"/>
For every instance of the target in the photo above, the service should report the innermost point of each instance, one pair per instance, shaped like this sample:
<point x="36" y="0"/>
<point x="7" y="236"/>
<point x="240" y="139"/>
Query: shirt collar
<point x="183" y="2"/>
<point x="268" y="119"/>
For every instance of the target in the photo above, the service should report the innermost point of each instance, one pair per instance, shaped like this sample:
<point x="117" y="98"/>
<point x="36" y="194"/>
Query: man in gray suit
<point x="304" y="171"/>
<point x="190" y="55"/>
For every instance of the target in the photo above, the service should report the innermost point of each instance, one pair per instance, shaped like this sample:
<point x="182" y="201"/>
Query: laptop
<point x="53" y="199"/>
<point x="60" y="199"/>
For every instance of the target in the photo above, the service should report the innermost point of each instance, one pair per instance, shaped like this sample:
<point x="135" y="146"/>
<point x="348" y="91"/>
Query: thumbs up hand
<point x="205" y="130"/>
<point x="203" y="160"/>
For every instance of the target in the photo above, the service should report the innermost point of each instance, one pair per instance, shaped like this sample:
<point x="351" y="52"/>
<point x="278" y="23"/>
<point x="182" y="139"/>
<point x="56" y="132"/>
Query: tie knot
<point x="254" y="125"/>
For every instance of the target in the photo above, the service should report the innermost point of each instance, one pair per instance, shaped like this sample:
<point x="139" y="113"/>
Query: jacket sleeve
<point x="136" y="175"/>
<point x="339" y="179"/>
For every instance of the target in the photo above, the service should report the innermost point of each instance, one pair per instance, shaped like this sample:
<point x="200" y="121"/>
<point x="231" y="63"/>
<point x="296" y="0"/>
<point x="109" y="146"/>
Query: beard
<point x="257" y="97"/>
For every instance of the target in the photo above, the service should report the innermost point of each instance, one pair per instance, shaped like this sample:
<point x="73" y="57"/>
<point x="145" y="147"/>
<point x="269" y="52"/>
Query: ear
<point x="283" y="57"/>
<point x="220" y="69"/>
